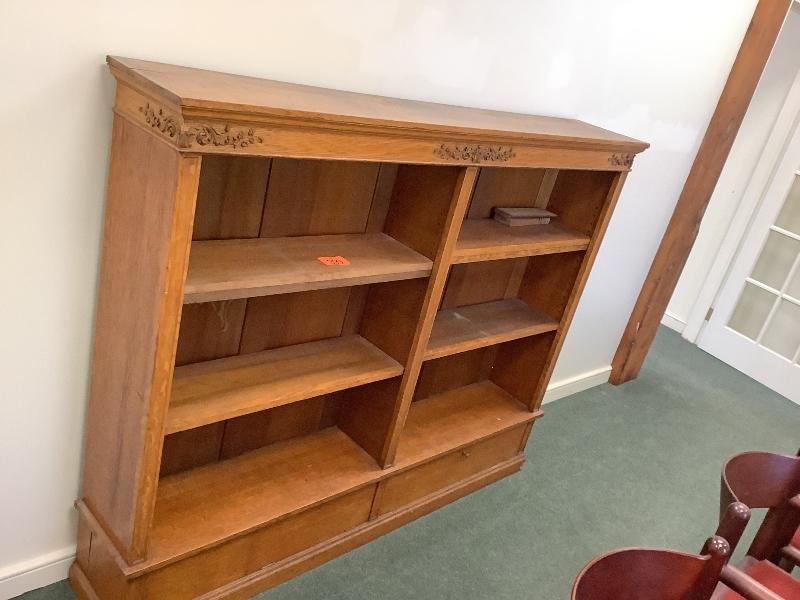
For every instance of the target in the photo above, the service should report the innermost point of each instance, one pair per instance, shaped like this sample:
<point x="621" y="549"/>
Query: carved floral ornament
<point x="621" y="160"/>
<point x="475" y="153"/>
<point x="202" y="135"/>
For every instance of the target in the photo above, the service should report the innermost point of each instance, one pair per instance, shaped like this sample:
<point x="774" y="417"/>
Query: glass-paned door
<point x="755" y="325"/>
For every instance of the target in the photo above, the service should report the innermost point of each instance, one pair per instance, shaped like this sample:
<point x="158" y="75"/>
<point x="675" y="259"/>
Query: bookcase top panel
<point x="211" y="93"/>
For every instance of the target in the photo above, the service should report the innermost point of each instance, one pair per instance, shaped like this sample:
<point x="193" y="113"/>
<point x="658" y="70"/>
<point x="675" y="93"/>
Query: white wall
<point x="759" y="120"/>
<point x="653" y="70"/>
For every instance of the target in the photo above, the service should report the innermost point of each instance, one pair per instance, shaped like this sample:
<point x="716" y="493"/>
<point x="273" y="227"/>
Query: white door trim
<point x="717" y="337"/>
<point x="763" y="173"/>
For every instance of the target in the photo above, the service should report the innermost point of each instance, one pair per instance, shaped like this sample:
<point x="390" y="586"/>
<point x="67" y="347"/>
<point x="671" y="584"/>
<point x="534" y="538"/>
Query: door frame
<point x="732" y="347"/>
<point x="681" y="232"/>
<point x="752" y="199"/>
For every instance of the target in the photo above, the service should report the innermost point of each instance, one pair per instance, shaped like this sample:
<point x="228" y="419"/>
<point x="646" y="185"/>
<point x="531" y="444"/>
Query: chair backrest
<point x="765" y="480"/>
<point x="759" y="479"/>
<point x="651" y="574"/>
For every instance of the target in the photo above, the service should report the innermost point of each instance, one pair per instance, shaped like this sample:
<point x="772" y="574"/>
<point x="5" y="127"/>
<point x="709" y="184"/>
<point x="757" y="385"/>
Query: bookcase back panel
<point x="473" y="283"/>
<point x="318" y="197"/>
<point x="520" y="366"/>
<point x="514" y="366"/>
<point x="230" y="197"/>
<point x="549" y="280"/>
<point x="192" y="448"/>
<point x="246" y="197"/>
<point x="451" y="372"/>
<point x="260" y="429"/>
<point x="211" y="330"/>
<point x="507" y="188"/>
<point x="578" y="198"/>
<point x="287" y="319"/>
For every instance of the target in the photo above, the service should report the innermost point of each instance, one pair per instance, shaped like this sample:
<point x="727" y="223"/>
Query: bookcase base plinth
<point x="160" y="583"/>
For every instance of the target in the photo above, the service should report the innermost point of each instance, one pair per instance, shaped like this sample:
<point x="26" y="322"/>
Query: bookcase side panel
<point x="148" y="220"/>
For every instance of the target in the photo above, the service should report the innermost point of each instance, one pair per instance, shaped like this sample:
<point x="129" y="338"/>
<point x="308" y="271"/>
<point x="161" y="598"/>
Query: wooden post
<point x="685" y="222"/>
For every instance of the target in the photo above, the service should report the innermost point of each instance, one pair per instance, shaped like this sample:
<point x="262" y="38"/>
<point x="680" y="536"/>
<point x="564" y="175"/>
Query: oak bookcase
<point x="255" y="412"/>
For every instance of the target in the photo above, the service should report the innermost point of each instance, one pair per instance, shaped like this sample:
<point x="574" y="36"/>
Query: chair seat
<point x="768" y="575"/>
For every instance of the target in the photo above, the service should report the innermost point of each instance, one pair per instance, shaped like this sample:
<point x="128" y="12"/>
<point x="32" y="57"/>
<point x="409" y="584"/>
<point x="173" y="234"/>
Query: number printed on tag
<point x="333" y="261"/>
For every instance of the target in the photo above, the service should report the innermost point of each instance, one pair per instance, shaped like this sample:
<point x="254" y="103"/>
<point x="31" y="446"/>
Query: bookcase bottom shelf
<point x="282" y="486"/>
<point x="211" y="504"/>
<point x="237" y="527"/>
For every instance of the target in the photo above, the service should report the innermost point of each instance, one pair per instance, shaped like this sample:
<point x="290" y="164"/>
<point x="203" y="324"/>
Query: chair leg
<point x="786" y="565"/>
<point x="790" y="558"/>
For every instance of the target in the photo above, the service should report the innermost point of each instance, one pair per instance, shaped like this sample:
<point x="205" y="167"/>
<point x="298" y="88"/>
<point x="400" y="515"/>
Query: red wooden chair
<point x="651" y="574"/>
<point x="767" y="480"/>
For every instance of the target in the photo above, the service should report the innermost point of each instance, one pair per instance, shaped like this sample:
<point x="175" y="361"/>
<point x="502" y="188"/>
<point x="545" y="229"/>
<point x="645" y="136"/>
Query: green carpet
<point x="610" y="467"/>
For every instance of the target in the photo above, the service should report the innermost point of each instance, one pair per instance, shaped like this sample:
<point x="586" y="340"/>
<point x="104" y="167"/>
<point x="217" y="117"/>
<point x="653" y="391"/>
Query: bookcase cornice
<point x="229" y="119"/>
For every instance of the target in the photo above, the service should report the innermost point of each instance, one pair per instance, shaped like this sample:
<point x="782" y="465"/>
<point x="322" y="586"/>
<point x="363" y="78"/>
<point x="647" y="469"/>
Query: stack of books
<point x="519" y="216"/>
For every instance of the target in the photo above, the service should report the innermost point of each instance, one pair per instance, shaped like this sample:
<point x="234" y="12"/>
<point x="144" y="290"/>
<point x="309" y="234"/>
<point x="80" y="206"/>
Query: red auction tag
<point x="333" y="261"/>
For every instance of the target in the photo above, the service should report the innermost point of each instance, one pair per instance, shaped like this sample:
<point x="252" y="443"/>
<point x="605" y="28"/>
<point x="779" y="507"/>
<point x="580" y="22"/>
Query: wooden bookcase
<point x="255" y="412"/>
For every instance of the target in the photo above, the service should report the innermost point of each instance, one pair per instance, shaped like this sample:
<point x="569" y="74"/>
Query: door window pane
<point x="751" y="310"/>
<point x="775" y="260"/>
<point x="783" y="334"/>
<point x="789" y="218"/>
<point x="793" y="289"/>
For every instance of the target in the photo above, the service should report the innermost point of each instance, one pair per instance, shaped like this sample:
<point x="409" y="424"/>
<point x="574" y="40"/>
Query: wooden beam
<point x="685" y="222"/>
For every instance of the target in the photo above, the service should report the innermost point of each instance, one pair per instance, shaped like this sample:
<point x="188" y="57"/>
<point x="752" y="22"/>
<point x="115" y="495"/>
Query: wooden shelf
<point x="486" y="239"/>
<point x="210" y="504"/>
<point x="479" y="325"/>
<point x="456" y="418"/>
<point x="227" y="269"/>
<point x="217" y="390"/>
<point x="201" y="507"/>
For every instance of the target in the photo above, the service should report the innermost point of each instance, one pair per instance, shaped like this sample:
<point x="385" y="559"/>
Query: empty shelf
<point x="217" y="390"/>
<point x="226" y="269"/>
<point x="456" y="418"/>
<point x="207" y="505"/>
<point x="486" y="239"/>
<point x="479" y="325"/>
<point x="210" y="504"/>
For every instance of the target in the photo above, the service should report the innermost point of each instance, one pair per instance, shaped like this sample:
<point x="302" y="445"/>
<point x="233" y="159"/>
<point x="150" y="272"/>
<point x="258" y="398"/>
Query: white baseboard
<point x="49" y="568"/>
<point x="673" y="322"/>
<point x="34" y="573"/>
<point x="579" y="383"/>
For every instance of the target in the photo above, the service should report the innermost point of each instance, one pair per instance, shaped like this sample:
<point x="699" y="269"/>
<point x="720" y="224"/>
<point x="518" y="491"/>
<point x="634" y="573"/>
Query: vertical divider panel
<point x="433" y="296"/>
<point x="151" y="196"/>
<point x="517" y="360"/>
